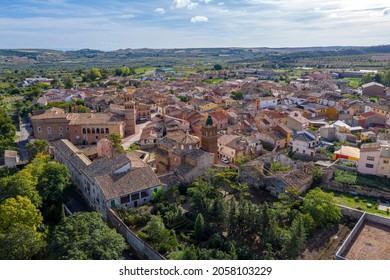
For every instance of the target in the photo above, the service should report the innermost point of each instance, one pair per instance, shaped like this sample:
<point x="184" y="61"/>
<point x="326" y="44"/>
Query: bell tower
<point x="130" y="117"/>
<point x="209" y="139"/>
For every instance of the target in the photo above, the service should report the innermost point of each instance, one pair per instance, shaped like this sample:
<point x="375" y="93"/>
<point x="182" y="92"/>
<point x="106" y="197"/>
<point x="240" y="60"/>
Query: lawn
<point x="353" y="82"/>
<point x="361" y="202"/>
<point x="143" y="70"/>
<point x="354" y="178"/>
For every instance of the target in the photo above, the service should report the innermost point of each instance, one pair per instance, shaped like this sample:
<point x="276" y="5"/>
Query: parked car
<point x="225" y="160"/>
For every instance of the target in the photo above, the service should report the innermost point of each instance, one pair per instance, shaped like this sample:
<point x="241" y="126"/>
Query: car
<point x="225" y="160"/>
<point x="141" y="120"/>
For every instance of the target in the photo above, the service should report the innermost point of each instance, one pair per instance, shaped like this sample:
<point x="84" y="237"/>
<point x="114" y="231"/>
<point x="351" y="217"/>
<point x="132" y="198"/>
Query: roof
<point x="304" y="136"/>
<point x="348" y="151"/>
<point x="10" y="154"/>
<point x="74" y="155"/>
<point x="226" y="139"/>
<point x="219" y="115"/>
<point x="139" y="177"/>
<point x="372" y="84"/>
<point x="93" y="118"/>
<point x="385" y="151"/>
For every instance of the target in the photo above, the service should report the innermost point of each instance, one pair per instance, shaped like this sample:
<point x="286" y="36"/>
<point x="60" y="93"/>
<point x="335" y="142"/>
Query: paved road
<point x="126" y="142"/>
<point x="22" y="138"/>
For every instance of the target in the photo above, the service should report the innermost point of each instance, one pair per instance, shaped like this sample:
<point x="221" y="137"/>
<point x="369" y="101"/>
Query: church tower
<point x="130" y="117"/>
<point x="209" y="137"/>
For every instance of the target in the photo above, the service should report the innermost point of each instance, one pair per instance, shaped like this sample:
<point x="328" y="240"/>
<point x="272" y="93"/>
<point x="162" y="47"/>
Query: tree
<point x="297" y="239"/>
<point x="161" y="238"/>
<point x="116" y="142"/>
<point x="20" y="225"/>
<point x="20" y="184"/>
<point x="237" y="95"/>
<point x="68" y="82"/>
<point x="85" y="236"/>
<point x="133" y="147"/>
<point x="7" y="132"/>
<point x="321" y="206"/>
<point x="317" y="175"/>
<point x="217" y="67"/>
<point x="19" y="210"/>
<point x="219" y="213"/>
<point x="94" y="74"/>
<point x="199" y="229"/>
<point x="37" y="146"/>
<point x="53" y="182"/>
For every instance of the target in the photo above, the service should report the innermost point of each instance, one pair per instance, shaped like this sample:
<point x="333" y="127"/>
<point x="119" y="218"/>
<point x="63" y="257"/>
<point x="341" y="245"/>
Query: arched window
<point x="88" y="130"/>
<point x="107" y="131"/>
<point x="84" y="131"/>
<point x="97" y="130"/>
<point x="102" y="130"/>
<point x="93" y="131"/>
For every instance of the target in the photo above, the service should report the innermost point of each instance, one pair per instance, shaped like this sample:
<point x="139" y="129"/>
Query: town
<point x="188" y="163"/>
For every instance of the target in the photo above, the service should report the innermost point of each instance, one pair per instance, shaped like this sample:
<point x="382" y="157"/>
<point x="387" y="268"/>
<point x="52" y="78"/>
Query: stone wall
<point x="138" y="247"/>
<point x="334" y="186"/>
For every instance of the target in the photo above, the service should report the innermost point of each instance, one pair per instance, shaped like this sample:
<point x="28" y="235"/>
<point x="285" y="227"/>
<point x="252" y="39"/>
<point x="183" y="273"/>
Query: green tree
<point x="133" y="147"/>
<point x="297" y="239"/>
<point x="53" y="182"/>
<point x="20" y="184"/>
<point x="219" y="213"/>
<point x="19" y="210"/>
<point x="68" y="82"/>
<point x="7" y="132"/>
<point x="217" y="67"/>
<point x="199" y="228"/>
<point x="94" y="74"/>
<point x="160" y="238"/>
<point x="237" y="95"/>
<point x="85" y="236"/>
<point x="20" y="229"/>
<point x="321" y="206"/>
<point x="116" y="142"/>
<point x="37" y="146"/>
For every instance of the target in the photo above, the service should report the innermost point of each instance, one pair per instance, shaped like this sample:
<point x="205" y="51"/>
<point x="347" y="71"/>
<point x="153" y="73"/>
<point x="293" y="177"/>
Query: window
<point x="125" y="199"/>
<point x="49" y="129"/>
<point x="112" y="203"/>
<point x="93" y="131"/>
<point x="102" y="130"/>
<point x="97" y="137"/>
<point x="61" y="129"/>
<point x="97" y="130"/>
<point x="49" y="136"/>
<point x="144" y="194"/>
<point x="369" y="165"/>
<point x="88" y="131"/>
<point x="39" y="129"/>
<point x="135" y="196"/>
<point x="84" y="131"/>
<point x="385" y="161"/>
<point x="61" y="135"/>
<point x="107" y="131"/>
<point x="370" y="158"/>
<point x="67" y="129"/>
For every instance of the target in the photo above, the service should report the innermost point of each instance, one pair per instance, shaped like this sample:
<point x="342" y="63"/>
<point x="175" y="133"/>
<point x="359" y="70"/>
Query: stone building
<point x="122" y="180"/>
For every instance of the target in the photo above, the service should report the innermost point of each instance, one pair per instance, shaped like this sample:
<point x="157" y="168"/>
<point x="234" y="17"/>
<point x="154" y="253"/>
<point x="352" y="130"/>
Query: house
<point x="220" y="119"/>
<point x="11" y="158"/>
<point x="297" y="122"/>
<point x="304" y="143"/>
<point x="383" y="169"/>
<point x="122" y="180"/>
<point x="347" y="152"/>
<point x="275" y="138"/>
<point x="374" y="89"/>
<point x="266" y="101"/>
<point x="369" y="158"/>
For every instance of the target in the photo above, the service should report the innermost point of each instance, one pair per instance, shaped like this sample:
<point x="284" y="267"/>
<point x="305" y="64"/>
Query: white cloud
<point x="223" y="11"/>
<point x="221" y="3"/>
<point x="199" y="19"/>
<point x="386" y="12"/>
<point x="206" y="1"/>
<point x="160" y="11"/>
<point x="184" y="4"/>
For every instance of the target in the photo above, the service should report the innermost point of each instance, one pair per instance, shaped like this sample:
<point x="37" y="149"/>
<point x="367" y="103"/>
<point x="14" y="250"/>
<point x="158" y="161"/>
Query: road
<point x="126" y="142"/>
<point x="22" y="139"/>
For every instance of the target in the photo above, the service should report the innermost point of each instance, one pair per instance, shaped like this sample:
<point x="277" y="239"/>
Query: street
<point x="22" y="139"/>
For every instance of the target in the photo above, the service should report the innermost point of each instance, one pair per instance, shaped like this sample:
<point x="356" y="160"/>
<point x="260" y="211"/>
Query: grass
<point x="353" y="82"/>
<point x="354" y="178"/>
<point x="143" y="70"/>
<point x="349" y="201"/>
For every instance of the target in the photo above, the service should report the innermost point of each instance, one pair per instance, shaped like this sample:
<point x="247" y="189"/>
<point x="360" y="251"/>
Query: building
<point x="374" y="89"/>
<point x="122" y="180"/>
<point x="347" y="152"/>
<point x="369" y="158"/>
<point x="297" y="122"/>
<point x="209" y="138"/>
<point x="304" y="143"/>
<point x="11" y="158"/>
<point x="383" y="169"/>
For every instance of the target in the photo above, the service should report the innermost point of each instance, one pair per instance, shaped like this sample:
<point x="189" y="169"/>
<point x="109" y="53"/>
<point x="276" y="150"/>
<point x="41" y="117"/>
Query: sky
<point x="121" y="24"/>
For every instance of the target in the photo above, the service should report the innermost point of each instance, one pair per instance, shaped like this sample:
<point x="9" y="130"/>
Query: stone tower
<point x="209" y="137"/>
<point x="130" y="117"/>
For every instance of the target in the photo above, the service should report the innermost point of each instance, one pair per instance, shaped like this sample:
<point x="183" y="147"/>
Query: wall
<point x="138" y="247"/>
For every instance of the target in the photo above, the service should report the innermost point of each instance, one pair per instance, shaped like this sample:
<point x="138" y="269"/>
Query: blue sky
<point x="120" y="24"/>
